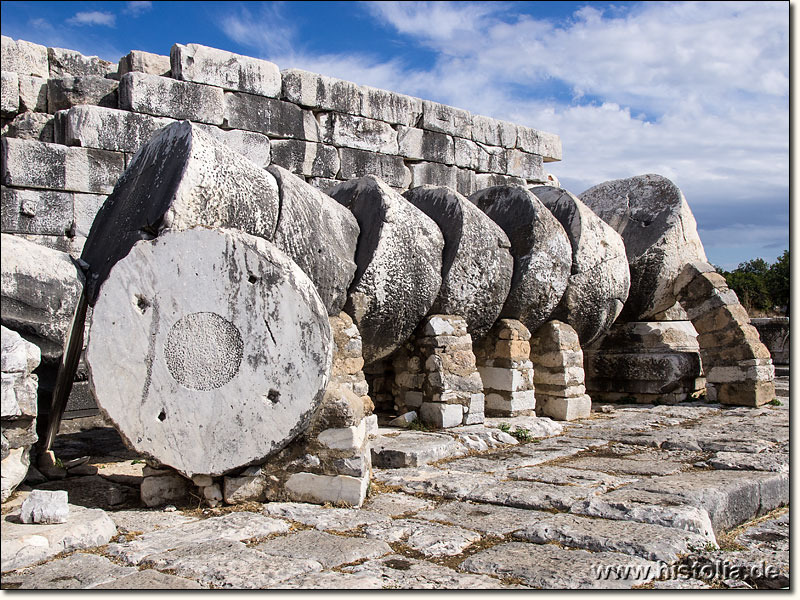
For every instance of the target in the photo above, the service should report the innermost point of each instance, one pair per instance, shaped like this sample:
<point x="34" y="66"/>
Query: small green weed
<point x="775" y="402"/>
<point x="522" y="434"/>
<point x="59" y="463"/>
<point x="418" y="425"/>
<point x="504" y="427"/>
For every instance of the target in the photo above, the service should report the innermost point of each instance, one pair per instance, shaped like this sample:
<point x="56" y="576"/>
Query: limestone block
<point x="660" y="235"/>
<point x="486" y="180"/>
<point x="732" y="374"/>
<point x="24" y="58"/>
<point x="389" y="106"/>
<point x="33" y="94"/>
<point x="566" y="377"/>
<point x="45" y="507"/>
<point x="256" y="147"/>
<point x="446" y="119"/>
<point x="306" y="158"/>
<point x="515" y="403"/>
<point x="774" y="334"/>
<point x="229" y="71"/>
<point x="434" y="174"/>
<point x="36" y="211"/>
<point x="441" y="415"/>
<point x="398" y="259"/>
<point x="559" y="391"/>
<point x="30" y="126"/>
<point x="322" y="92"/>
<point x="358" y="132"/>
<point x="466" y="183"/>
<point x="554" y="336"/>
<point x="308" y="487"/>
<point x="547" y="145"/>
<point x="245" y="489"/>
<point x="40" y="288"/>
<point x="540" y="247"/>
<point x="9" y="93"/>
<point x="466" y="153"/>
<point x="360" y="163"/>
<point x="340" y="409"/>
<point x="13" y="469"/>
<point x="319" y="234"/>
<point x="564" y="409"/>
<point x="33" y="164"/>
<point x="202" y="480"/>
<point x="85" y="208"/>
<point x="144" y="62"/>
<point x="600" y="279"/>
<point x="492" y="159"/>
<point x="620" y="371"/>
<point x="67" y="91"/>
<point x="18" y="355"/>
<point x="476" y="263"/>
<point x="524" y="165"/>
<point x="325" y="184"/>
<point x="752" y="392"/>
<point x="182" y="178"/>
<point x="493" y="132"/>
<point x="181" y="344"/>
<point x="404" y="420"/>
<point x="108" y="129"/>
<point x="63" y="62"/>
<point x="164" y="489"/>
<point x="419" y="144"/>
<point x="270" y="116"/>
<point x="507" y="380"/>
<point x="165" y="97"/>
<point x="343" y="438"/>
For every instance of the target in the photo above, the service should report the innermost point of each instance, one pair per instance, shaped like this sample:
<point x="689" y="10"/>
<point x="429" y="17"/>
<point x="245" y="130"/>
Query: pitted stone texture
<point x="229" y="71"/>
<point x="24" y="58"/>
<point x="69" y="62"/>
<point x="45" y="507"/>
<point x="176" y="421"/>
<point x="144" y="62"/>
<point x="67" y="92"/>
<point x="396" y="504"/>
<point x="180" y="179"/>
<point x="329" y="550"/>
<point x="599" y="280"/>
<point x="490" y="519"/>
<point x="548" y="145"/>
<point x="78" y="571"/>
<point x="412" y="449"/>
<point x="149" y="579"/>
<point x="359" y="163"/>
<point x="306" y="158"/>
<point x="540" y="247"/>
<point x="43" y="212"/>
<point x="350" y="131"/>
<point x="398" y="265"/>
<point x="324" y="519"/>
<point x="430" y="539"/>
<point x="446" y="119"/>
<point x="418" y="144"/>
<point x="270" y="116"/>
<point x="106" y="128"/>
<point x="33" y="92"/>
<point x="389" y="106"/>
<point x="18" y="356"/>
<point x="319" y="234"/>
<point x="400" y="572"/>
<point x="9" y="102"/>
<point x="30" y="126"/>
<point x="660" y="235"/>
<point x="322" y="92"/>
<point x="255" y="147"/>
<point x="331" y="580"/>
<point x="165" y="97"/>
<point x="476" y="264"/>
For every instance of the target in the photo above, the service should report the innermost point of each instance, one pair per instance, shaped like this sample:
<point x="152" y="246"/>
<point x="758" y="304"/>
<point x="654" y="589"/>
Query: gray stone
<point x="350" y="131"/>
<point x="660" y="235"/>
<point x="181" y="344"/>
<point x="45" y="507"/>
<point x="548" y="145"/>
<point x="599" y="280"/>
<point x="69" y="62"/>
<point x="25" y="545"/>
<point x="490" y="519"/>
<point x="652" y="542"/>
<point x="77" y="571"/>
<point x="412" y="449"/>
<point x="13" y="469"/>
<point x="139" y="521"/>
<point x="491" y="159"/>
<point x="165" y="97"/>
<point x="336" y="489"/>
<point x="390" y="106"/>
<point x="108" y="129"/>
<point x="398" y="265"/>
<point x="565" y="409"/>
<point x="772" y="534"/>
<point x="148" y="579"/>
<point x="446" y="119"/>
<point x="164" y="489"/>
<point x="486" y="180"/>
<point x="544" y="567"/>
<point x="85" y="209"/>
<point x="24" y="58"/>
<point x="237" y="490"/>
<point x="747" y="461"/>
<point x="476" y="263"/>
<point x="360" y="163"/>
<point x="226" y="70"/>
<point x="18" y="356"/>
<point x="632" y="465"/>
<point x="68" y="91"/>
<point x="418" y="144"/>
<point x="540" y="247"/>
<point x="430" y="539"/>
<point x="41" y="212"/>
<point x="328" y="550"/>
<point x="33" y="94"/>
<point x="530" y="494"/>
<point x="396" y="504"/>
<point x="255" y="147"/>
<point x="306" y="158"/>
<point x="322" y="518"/>
<point x="491" y="131"/>
<point x="564" y="475"/>
<point x="331" y="580"/>
<point x="144" y="62"/>
<point x="524" y="165"/>
<point x="9" y="93"/>
<point x="425" y="173"/>
<point x="30" y="126"/>
<point x="322" y="92"/>
<point x="433" y="481"/>
<point x="319" y="234"/>
<point x="404" y="420"/>
<point x="442" y="416"/>
<point x="270" y="116"/>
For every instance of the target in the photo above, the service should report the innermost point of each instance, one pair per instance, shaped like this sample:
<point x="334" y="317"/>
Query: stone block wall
<point x="774" y="334"/>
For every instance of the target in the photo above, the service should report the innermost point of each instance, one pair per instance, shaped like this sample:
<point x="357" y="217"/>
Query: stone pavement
<point x="690" y="496"/>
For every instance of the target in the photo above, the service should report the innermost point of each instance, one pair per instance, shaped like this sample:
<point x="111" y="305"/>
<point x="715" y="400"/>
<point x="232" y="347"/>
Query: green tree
<point x="757" y="266"/>
<point x="750" y="288"/>
<point x="777" y="281"/>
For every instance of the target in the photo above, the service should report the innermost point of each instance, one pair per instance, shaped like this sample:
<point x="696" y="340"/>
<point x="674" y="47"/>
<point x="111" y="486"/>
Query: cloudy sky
<point x="695" y="91"/>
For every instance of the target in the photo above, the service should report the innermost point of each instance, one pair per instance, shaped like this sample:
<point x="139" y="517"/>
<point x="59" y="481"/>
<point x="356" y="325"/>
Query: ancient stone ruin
<point x="251" y="269"/>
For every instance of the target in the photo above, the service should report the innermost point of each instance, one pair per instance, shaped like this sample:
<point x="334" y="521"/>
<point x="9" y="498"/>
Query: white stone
<point x="515" y="401"/>
<point x="371" y="426"/>
<point x="322" y="92"/>
<point x="13" y="469"/>
<point x="319" y="489"/>
<point x="9" y="93"/>
<point x="213" y="494"/>
<point x="389" y="106"/>
<point x="45" y="507"/>
<point x="446" y="119"/>
<point x="565" y="409"/>
<point x="18" y="355"/>
<point x="166" y="97"/>
<point x="403" y="420"/>
<point x="441" y="415"/>
<point x="358" y="132"/>
<point x="144" y="62"/>
<point x="438" y="326"/>
<point x="24" y="58"/>
<point x="343" y="438"/>
<point x="508" y="380"/>
<point x="161" y="489"/>
<point x="108" y="129"/>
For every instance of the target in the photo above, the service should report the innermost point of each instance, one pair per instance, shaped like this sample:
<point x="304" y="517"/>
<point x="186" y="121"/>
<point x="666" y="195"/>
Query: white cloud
<point x="94" y="17"/>
<point x="137" y="8"/>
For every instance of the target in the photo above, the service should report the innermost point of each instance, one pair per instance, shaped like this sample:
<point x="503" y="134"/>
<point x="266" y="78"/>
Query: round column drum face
<point x="209" y="349"/>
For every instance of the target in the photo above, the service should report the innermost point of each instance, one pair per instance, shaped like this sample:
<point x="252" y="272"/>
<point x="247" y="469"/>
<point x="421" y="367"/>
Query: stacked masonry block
<point x="558" y="372"/>
<point x="435" y="374"/>
<point x="503" y="360"/>
<point x="738" y="367"/>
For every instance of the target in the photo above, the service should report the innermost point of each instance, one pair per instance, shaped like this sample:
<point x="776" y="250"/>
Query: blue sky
<point x="695" y="91"/>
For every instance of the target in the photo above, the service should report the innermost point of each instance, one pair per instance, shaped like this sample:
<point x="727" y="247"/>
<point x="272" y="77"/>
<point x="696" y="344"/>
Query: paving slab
<point x="747" y="461"/>
<point x="323" y="518"/>
<point x="748" y="569"/>
<point x="530" y="494"/>
<point x="144" y="520"/>
<point x="626" y="465"/>
<point x="489" y="519"/>
<point x="93" y="491"/>
<point x="430" y="480"/>
<point x="539" y="427"/>
<point x="395" y="504"/>
<point x="332" y="580"/>
<point x="77" y="571"/>
<point x="149" y="579"/>
<point x="327" y="549"/>
<point x="772" y="534"/>
<point x="430" y="539"/>
<point x="680" y="584"/>
<point x="413" y="448"/>
<point x="550" y="567"/>
<point x="562" y="475"/>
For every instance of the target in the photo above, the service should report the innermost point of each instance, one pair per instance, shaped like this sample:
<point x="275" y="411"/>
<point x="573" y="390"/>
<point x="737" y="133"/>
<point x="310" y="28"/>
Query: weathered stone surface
<point x="322" y="92"/>
<point x="77" y="571"/>
<point x="24" y="58"/>
<point x="446" y="119"/>
<point x="33" y="92"/>
<point x="548" y="145"/>
<point x="319" y="234"/>
<point x="390" y="106"/>
<point x="486" y="180"/>
<point x="67" y="92"/>
<point x="599" y="280"/>
<point x="331" y="580"/>
<point x="144" y="62"/>
<point x="189" y="343"/>
<point x="360" y="163"/>
<point x="13" y="469"/>
<point x="396" y="504"/>
<point x="9" y="93"/>
<point x="490" y="519"/>
<point x="141" y="521"/>
<point x="25" y="545"/>
<point x="328" y="550"/>
<point x="350" y="131"/>
<point x="165" y="97"/>
<point x="524" y="165"/>
<point x="412" y="449"/>
<point x="18" y="356"/>
<point x="41" y="212"/>
<point x="530" y="494"/>
<point x="40" y="289"/>
<point x="746" y="461"/>
<point x="562" y="475"/>
<point x="30" y="126"/>
<point x="108" y="129"/>
<point x="148" y="579"/>
<point x="310" y="487"/>
<point x="45" y="507"/>
<point x="418" y="144"/>
<point x="164" y="489"/>
<point x="306" y="158"/>
<point x="426" y="173"/>
<point x="430" y="539"/>
<point x="324" y="519"/>
<point x="660" y="235"/>
<point x="491" y="131"/>
<point x="434" y="481"/>
<point x="69" y="62"/>
<point x="270" y="116"/>
<point x="441" y="416"/>
<point x="476" y="263"/>
<point x="398" y="265"/>
<point x="632" y="465"/>
<point x="229" y="71"/>
<point x="774" y="334"/>
<point x="540" y="247"/>
<point x="255" y="147"/>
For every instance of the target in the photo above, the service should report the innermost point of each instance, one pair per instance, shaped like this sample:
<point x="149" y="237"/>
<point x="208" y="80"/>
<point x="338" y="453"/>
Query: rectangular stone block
<point x="319" y="489"/>
<point x="32" y="164"/>
<point x="563" y="377"/>
<point x="560" y="391"/>
<point x="33" y="94"/>
<point x="64" y="62"/>
<point x="9" y="93"/>
<point x="391" y="107"/>
<point x="106" y="128"/>
<point x="547" y="145"/>
<point x="419" y="144"/>
<point x="85" y="210"/>
<point x="493" y="132"/>
<point x="485" y="180"/>
<point x="24" y="58"/>
<point x="492" y="159"/>
<point x="306" y="158"/>
<point x="510" y="404"/>
<point x="735" y="374"/>
<point x="440" y="415"/>
<point x="426" y="173"/>
<point x="36" y="211"/>
<point x="519" y="349"/>
<point x="322" y="92"/>
<point x="357" y="163"/>
<point x="269" y="116"/>
<point x="510" y="380"/>
<point x="256" y="147"/>
<point x="343" y="438"/>
<point x="165" y="97"/>
<point x="324" y="184"/>
<point x="466" y="153"/>
<point x="446" y="119"/>
<point x="413" y="399"/>
<point x="350" y="131"/>
<point x="525" y="165"/>
<point x="234" y="72"/>
<point x="564" y="409"/>
<point x="144" y="62"/>
<point x="65" y="92"/>
<point x="466" y="184"/>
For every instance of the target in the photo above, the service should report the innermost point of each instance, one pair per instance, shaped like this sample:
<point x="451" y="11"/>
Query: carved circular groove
<point x="203" y="351"/>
